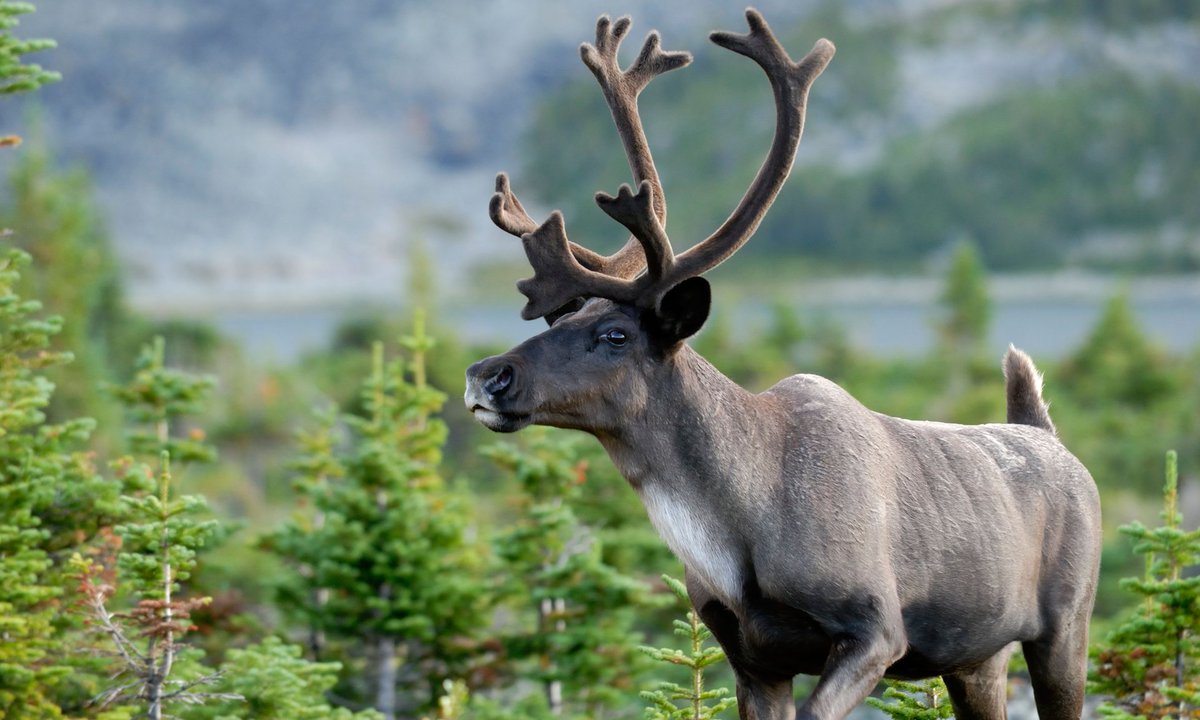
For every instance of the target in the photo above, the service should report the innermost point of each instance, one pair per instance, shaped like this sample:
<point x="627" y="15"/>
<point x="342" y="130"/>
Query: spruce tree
<point x="924" y="700"/>
<point x="160" y="538"/>
<point x="53" y="216"/>
<point x="15" y="75"/>
<point x="964" y="315"/>
<point x="671" y="701"/>
<point x="1149" y="666"/>
<point x="152" y="669"/>
<point x="38" y="461"/>
<point x="576" y="635"/>
<point x="966" y="309"/>
<point x="383" y="570"/>
<point x="274" y="682"/>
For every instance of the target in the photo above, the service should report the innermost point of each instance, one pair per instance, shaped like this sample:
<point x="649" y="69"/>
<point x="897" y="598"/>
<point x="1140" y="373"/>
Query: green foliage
<point x="576" y="634"/>
<point x="53" y="217"/>
<point x="157" y="395"/>
<point x="160" y="538"/>
<point x="1149" y="666"/>
<point x="381" y="558"/>
<point x="15" y="75"/>
<point x="925" y="700"/>
<point x="1117" y="363"/>
<point x="697" y="703"/>
<point x="1121" y="400"/>
<point x="965" y="308"/>
<point x="34" y="458"/>
<point x="1095" y="169"/>
<point x="276" y="683"/>
<point x="457" y="703"/>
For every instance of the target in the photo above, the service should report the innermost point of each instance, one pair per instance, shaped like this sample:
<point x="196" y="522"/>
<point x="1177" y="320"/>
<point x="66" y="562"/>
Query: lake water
<point x="1047" y="317"/>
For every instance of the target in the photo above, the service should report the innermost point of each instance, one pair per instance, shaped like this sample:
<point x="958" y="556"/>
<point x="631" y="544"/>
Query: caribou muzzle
<point x="492" y="387"/>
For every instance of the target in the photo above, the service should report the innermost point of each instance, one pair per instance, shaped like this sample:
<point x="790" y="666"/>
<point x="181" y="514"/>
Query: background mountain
<point x="281" y="153"/>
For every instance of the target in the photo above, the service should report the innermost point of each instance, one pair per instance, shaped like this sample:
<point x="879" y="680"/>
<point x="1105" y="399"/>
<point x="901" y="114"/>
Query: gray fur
<point x="823" y="538"/>
<point x="1024" y="389"/>
<point x="818" y="537"/>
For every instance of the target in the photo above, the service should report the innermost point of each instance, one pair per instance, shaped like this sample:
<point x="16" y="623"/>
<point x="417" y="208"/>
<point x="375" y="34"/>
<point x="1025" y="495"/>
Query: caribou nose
<point x="499" y="381"/>
<point x="488" y="380"/>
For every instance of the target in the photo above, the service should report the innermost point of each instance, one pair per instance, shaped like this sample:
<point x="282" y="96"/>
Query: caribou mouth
<point x="497" y="421"/>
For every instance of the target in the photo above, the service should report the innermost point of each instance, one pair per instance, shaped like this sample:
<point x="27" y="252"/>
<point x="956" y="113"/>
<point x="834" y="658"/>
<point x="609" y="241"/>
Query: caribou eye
<point x="615" y="338"/>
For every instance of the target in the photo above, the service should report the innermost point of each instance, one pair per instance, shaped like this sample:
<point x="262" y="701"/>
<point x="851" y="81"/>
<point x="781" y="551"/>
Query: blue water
<point x="1044" y="328"/>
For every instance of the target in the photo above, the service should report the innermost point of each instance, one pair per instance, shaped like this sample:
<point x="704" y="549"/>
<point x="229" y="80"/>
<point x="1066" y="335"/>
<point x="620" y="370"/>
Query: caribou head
<point x="617" y="320"/>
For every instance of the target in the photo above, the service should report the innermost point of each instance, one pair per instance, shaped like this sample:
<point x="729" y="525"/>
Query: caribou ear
<point x="573" y="306"/>
<point x="681" y="312"/>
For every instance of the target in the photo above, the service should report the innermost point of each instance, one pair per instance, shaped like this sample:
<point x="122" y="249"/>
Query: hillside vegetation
<point x="1047" y="135"/>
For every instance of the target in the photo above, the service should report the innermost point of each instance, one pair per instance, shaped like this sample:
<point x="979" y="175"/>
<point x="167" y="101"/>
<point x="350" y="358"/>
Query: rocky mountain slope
<point x="282" y="153"/>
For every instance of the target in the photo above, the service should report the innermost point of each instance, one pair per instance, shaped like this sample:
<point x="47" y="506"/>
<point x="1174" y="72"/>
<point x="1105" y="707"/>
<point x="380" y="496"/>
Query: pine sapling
<point x="924" y="700"/>
<point x="384" y="571"/>
<point x="1150" y="665"/>
<point x="671" y="701"/>
<point x="15" y="75"/>
<point x="159" y="547"/>
<point x="159" y="541"/>
<point x="575" y="637"/>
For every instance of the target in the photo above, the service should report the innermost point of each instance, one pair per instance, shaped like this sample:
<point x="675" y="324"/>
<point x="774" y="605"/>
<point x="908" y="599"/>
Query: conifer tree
<point x="15" y="75"/>
<point x="966" y="309"/>
<point x="161" y="536"/>
<point x="1149" y="666"/>
<point x="697" y="702"/>
<point x="924" y="700"/>
<point x="1118" y="366"/>
<point x="53" y="216"/>
<point x="274" y="682"/>
<point x="383" y="568"/>
<point x="964" y="316"/>
<point x="43" y="477"/>
<point x="576" y="638"/>
<point x="160" y="541"/>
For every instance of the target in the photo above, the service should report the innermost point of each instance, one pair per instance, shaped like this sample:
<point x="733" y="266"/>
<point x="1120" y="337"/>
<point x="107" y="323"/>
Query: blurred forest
<point x="1087" y="156"/>
<point x="187" y="531"/>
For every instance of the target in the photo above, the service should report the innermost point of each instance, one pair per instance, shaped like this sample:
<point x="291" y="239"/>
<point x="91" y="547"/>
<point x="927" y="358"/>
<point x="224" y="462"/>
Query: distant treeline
<point x="1094" y="164"/>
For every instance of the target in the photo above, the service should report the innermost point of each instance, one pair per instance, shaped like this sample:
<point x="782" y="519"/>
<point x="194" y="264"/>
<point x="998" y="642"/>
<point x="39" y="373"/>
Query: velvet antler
<point x="564" y="271"/>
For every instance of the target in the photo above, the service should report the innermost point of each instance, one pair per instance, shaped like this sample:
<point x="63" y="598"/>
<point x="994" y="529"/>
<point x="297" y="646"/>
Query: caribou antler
<point x="621" y="89"/>
<point x="564" y="271"/>
<point x="790" y="82"/>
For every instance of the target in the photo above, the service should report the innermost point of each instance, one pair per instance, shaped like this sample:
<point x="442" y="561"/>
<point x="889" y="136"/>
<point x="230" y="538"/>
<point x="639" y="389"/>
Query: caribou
<point x="818" y="537"/>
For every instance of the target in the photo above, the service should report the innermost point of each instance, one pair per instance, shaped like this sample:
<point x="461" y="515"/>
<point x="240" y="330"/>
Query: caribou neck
<point x="698" y="459"/>
<point x="701" y="433"/>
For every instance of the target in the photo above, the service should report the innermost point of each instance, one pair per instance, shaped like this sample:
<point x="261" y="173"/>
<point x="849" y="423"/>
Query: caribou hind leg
<point x="981" y="693"/>
<point x="1058" y="670"/>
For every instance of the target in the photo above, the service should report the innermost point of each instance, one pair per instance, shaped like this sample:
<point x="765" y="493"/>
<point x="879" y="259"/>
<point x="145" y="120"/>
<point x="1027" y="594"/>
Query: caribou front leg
<point x="759" y="700"/>
<point x="853" y="668"/>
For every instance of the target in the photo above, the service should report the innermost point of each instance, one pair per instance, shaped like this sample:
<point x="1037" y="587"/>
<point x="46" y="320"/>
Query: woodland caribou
<point x="819" y="537"/>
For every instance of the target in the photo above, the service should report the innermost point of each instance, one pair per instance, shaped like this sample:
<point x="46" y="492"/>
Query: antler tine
<point x="510" y="216"/>
<point x="506" y="210"/>
<point x="558" y="278"/>
<point x="621" y="89"/>
<point x="564" y="271"/>
<point x="636" y="213"/>
<point x="790" y="82"/>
